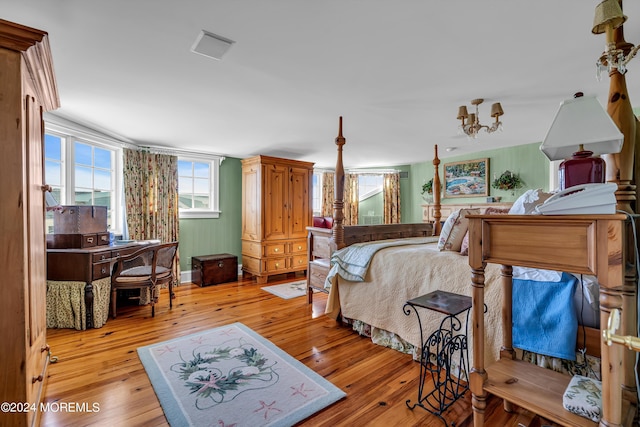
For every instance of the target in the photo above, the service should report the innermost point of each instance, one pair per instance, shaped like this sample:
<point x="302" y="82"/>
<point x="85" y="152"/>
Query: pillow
<point x="496" y="211"/>
<point x="526" y="204"/>
<point x="464" y="246"/>
<point x="454" y="229"/>
<point x="583" y="397"/>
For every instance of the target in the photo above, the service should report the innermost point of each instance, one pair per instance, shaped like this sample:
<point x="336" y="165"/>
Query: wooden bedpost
<point x="620" y="166"/>
<point x="436" y="195"/>
<point x="620" y="169"/>
<point x="338" y="203"/>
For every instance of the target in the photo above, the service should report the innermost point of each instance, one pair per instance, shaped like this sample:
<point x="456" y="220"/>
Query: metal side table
<point x="444" y="351"/>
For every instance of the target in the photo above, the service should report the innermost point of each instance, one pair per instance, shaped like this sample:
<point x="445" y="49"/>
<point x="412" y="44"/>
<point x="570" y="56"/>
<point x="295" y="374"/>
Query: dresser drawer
<point x="320" y="247"/>
<point x="101" y="270"/>
<point x="318" y="272"/>
<point x="299" y="262"/>
<point x="115" y="253"/>
<point x="274" y="249"/>
<point x="298" y="247"/>
<point x="276" y="264"/>
<point x="101" y="256"/>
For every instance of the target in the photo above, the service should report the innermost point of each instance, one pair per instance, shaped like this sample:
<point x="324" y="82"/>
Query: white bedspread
<point x="400" y="273"/>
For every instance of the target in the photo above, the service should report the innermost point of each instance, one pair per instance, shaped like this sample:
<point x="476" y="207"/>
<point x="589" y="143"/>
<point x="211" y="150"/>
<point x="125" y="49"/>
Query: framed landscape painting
<point x="467" y="178"/>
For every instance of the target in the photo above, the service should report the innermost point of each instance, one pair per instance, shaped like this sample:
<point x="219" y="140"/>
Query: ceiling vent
<point x="211" y="45"/>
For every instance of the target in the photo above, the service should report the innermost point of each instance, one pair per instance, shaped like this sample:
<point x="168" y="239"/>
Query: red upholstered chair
<point x="323" y="221"/>
<point x="149" y="267"/>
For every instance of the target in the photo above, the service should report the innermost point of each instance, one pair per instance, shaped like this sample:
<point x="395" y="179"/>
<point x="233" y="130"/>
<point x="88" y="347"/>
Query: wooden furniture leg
<point x="478" y="375"/>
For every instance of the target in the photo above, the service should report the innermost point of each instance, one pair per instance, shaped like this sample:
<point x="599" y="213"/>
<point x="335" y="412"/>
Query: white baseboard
<point x="185" y="276"/>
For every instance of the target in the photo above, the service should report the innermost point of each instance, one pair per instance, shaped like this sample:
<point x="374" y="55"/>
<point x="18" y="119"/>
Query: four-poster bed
<point x="365" y="303"/>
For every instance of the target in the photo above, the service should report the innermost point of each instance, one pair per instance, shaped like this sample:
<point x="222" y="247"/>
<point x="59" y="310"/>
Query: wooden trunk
<point x="80" y="220"/>
<point x="214" y="269"/>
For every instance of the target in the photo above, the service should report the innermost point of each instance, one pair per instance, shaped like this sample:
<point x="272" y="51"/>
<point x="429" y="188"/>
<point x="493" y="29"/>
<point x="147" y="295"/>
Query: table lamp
<point x="580" y="132"/>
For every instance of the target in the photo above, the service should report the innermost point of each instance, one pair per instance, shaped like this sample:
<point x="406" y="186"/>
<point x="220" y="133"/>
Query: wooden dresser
<point x="276" y="210"/>
<point x="27" y="88"/>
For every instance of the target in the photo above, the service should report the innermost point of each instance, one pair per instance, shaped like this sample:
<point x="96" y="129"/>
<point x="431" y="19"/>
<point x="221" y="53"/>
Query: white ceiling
<point x="397" y="70"/>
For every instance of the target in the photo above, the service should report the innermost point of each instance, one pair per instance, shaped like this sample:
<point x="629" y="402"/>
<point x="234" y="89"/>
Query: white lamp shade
<point x="581" y="120"/>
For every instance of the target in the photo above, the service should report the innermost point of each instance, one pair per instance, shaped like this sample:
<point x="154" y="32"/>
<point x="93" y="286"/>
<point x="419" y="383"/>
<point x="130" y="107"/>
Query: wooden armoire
<point x="27" y="89"/>
<point x="276" y="210"/>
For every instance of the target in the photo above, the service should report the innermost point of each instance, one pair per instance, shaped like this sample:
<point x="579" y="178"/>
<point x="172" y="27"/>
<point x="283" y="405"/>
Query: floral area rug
<point x="231" y="376"/>
<point x="288" y="290"/>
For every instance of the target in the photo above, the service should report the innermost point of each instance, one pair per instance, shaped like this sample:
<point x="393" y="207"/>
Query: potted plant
<point x="427" y="191"/>
<point x="508" y="181"/>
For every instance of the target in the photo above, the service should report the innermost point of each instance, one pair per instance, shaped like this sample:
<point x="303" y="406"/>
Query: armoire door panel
<point x="251" y="203"/>
<point x="275" y="202"/>
<point x="300" y="199"/>
<point x="35" y="226"/>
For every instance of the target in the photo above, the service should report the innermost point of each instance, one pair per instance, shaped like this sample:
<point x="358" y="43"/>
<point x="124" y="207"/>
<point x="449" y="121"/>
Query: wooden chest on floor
<point x="214" y="269"/>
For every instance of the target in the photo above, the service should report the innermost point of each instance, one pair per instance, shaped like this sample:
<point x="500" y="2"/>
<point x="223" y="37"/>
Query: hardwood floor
<point x="101" y="366"/>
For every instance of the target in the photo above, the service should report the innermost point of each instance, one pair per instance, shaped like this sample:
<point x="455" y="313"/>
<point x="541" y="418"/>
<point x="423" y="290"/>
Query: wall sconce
<point x="473" y="126"/>
<point x="608" y="17"/>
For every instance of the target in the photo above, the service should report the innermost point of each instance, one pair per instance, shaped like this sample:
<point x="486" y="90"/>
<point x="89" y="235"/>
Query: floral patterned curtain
<point x="351" y="199"/>
<point x="151" y="197"/>
<point x="391" y="198"/>
<point x="328" y="193"/>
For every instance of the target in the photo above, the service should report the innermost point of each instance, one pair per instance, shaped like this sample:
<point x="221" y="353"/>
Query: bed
<point x="396" y="274"/>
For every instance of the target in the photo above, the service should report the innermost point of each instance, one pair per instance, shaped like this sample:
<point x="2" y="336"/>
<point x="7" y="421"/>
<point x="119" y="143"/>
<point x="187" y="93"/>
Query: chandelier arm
<point x="632" y="54"/>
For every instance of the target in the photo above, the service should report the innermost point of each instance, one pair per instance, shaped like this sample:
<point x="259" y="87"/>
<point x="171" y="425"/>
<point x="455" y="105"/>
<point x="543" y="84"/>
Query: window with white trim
<point x="83" y="172"/>
<point x="317" y="193"/>
<point x="198" y="187"/>
<point x="369" y="185"/>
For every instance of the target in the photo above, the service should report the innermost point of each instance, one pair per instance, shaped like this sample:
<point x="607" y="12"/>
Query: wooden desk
<point x="588" y="244"/>
<point x="86" y="265"/>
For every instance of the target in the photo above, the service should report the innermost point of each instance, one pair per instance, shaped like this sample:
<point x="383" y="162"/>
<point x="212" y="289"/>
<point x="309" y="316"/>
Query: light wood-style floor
<point x="101" y="366"/>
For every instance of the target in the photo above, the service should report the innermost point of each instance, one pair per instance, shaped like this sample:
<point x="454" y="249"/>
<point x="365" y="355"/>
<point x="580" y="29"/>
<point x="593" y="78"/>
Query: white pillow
<point x="526" y="204"/>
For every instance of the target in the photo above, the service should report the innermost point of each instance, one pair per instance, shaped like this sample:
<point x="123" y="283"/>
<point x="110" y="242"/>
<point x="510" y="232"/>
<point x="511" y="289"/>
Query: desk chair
<point x="149" y="267"/>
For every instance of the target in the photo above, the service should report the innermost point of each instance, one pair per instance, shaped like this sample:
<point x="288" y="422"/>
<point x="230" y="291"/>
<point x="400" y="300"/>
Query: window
<point x="369" y="185"/>
<point x="83" y="169"/>
<point x="317" y="194"/>
<point x="94" y="175"/>
<point x="54" y="167"/>
<point x="197" y="187"/>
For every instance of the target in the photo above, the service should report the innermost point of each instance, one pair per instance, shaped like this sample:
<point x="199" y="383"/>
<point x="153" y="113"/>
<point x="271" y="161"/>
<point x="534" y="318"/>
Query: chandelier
<point x="472" y="125"/>
<point x="607" y="18"/>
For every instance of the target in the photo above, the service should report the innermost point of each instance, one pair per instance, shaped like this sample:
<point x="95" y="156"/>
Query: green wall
<point x="222" y="235"/>
<point x="373" y="204"/>
<point x="525" y="160"/>
<point x="206" y="236"/>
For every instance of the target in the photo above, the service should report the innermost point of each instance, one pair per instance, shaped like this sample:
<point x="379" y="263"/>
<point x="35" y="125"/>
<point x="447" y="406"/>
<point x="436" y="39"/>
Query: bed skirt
<point x="585" y="365"/>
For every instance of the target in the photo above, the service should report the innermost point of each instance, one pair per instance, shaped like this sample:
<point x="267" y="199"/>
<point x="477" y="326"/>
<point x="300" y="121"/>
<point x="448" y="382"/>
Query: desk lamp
<point x="580" y="132"/>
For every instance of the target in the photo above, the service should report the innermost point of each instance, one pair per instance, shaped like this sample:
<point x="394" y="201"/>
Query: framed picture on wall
<point x="467" y="178"/>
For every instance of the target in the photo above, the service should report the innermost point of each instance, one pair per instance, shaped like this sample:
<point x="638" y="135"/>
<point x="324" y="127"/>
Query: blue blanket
<point x="544" y="316"/>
